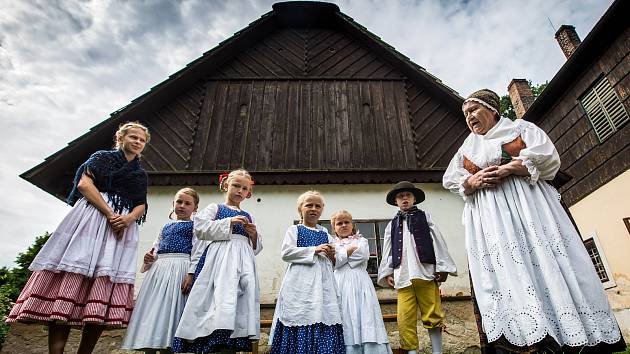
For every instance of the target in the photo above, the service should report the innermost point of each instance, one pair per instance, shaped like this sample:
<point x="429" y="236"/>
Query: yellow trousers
<point x="423" y="295"/>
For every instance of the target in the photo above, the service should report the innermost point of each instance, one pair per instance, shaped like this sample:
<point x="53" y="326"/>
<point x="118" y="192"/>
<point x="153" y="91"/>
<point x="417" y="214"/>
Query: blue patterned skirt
<point x="219" y="339"/>
<point x="200" y="263"/>
<point x="312" y="339"/>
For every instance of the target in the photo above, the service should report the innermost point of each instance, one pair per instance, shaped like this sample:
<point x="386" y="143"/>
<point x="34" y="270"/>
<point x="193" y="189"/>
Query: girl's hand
<point x="390" y="281"/>
<point x="239" y="219"/>
<point x="121" y="222"/>
<point x="351" y="249"/>
<point x="250" y="229"/>
<point x="331" y="251"/>
<point x="117" y="232"/>
<point x="324" y="247"/>
<point x="440" y="277"/>
<point x="253" y="234"/>
<point x="187" y="283"/>
<point x="149" y="257"/>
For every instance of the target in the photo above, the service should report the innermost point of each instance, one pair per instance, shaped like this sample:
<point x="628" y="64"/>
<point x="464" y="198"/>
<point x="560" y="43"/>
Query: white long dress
<point x="161" y="302"/>
<point x="308" y="294"/>
<point x="531" y="274"/>
<point x="363" y="327"/>
<point x="225" y="295"/>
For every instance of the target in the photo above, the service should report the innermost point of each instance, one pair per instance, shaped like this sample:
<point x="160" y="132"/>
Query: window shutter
<point x="604" y="109"/>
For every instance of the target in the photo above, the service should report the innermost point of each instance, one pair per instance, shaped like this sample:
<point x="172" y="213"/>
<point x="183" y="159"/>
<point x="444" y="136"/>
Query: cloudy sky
<point x="66" y="65"/>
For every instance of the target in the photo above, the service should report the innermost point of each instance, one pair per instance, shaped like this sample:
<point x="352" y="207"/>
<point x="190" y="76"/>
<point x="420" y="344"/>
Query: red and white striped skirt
<point x="73" y="299"/>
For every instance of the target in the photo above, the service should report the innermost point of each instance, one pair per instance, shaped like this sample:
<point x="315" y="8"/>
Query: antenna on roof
<point x="551" y="23"/>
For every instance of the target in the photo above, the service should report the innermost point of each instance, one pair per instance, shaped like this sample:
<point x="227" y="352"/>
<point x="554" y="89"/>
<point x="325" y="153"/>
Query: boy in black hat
<point x="415" y="259"/>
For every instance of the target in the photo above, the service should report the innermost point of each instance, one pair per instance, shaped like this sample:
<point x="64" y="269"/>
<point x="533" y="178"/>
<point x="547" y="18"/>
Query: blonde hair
<point x="191" y="192"/>
<point x="224" y="181"/>
<point x="123" y="130"/>
<point x="188" y="191"/>
<point x="341" y="214"/>
<point x="303" y="196"/>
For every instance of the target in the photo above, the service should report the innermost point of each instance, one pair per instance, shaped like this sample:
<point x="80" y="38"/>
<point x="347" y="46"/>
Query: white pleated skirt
<point x="160" y="304"/>
<point x="84" y="243"/>
<point x="225" y="294"/>
<point x="363" y="327"/>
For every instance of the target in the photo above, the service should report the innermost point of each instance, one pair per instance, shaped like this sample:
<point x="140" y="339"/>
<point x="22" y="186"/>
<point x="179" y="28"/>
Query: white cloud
<point x="66" y="65"/>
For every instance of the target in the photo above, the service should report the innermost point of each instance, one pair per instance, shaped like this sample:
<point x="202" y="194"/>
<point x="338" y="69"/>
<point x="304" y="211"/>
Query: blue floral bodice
<point x="307" y="237"/>
<point x="176" y="237"/>
<point x="225" y="212"/>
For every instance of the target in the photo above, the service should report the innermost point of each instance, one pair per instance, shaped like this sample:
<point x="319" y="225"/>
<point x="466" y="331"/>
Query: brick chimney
<point x="521" y="96"/>
<point x="568" y="39"/>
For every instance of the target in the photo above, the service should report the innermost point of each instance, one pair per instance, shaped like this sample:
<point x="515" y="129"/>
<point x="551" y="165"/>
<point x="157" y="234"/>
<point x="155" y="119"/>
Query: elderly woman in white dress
<point x="363" y="328"/>
<point x="533" y="283"/>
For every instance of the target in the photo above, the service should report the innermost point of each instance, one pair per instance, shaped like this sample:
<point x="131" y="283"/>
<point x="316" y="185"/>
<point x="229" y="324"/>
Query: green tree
<point x="13" y="280"/>
<point x="507" y="110"/>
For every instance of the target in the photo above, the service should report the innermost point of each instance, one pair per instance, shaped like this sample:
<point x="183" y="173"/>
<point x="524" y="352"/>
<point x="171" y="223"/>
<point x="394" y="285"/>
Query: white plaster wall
<point x="602" y="213"/>
<point x="274" y="208"/>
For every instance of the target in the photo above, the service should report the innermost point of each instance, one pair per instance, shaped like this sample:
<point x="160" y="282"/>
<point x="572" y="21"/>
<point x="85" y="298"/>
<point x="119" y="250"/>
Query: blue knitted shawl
<point x="125" y="182"/>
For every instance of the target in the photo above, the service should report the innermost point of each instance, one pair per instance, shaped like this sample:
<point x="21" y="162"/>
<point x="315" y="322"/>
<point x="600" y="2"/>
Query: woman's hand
<point x="187" y="283"/>
<point x="149" y="257"/>
<point x="514" y="167"/>
<point x="486" y="178"/>
<point x="351" y="249"/>
<point x="390" y="281"/>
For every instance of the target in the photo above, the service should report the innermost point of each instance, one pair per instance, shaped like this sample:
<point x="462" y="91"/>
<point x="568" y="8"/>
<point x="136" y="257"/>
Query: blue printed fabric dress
<point x="223" y="308"/>
<point x="308" y="316"/>
<point x="160" y="301"/>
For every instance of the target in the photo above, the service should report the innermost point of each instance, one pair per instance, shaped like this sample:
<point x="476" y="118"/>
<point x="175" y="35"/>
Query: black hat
<point x="404" y="186"/>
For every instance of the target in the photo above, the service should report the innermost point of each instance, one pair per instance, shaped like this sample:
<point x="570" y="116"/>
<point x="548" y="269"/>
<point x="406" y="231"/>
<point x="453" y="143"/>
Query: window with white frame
<point x="599" y="261"/>
<point x="604" y="109"/>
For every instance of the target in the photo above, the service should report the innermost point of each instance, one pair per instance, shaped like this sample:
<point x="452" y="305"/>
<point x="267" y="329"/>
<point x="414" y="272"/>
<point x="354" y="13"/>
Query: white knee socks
<point x="436" y="339"/>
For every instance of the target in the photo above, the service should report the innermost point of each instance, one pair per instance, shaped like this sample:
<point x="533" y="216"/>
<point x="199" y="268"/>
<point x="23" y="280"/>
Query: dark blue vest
<point x="419" y="227"/>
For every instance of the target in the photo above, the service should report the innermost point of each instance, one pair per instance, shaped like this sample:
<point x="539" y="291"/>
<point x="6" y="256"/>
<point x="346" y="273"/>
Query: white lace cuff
<point x="534" y="174"/>
<point x="461" y="190"/>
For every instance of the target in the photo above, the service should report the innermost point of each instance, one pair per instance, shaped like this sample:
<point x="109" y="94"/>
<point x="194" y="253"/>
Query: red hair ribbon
<point x="222" y="177"/>
<point x="249" y="194"/>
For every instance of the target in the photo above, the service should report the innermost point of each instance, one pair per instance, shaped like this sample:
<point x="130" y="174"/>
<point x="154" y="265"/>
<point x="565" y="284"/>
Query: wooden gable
<point x="308" y="98"/>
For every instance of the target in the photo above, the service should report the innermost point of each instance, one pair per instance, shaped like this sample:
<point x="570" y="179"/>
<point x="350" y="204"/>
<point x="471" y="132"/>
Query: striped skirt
<point x="73" y="299"/>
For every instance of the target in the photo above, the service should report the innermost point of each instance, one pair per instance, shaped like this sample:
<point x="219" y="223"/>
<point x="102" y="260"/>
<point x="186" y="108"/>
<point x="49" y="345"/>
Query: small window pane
<point x="596" y="259"/>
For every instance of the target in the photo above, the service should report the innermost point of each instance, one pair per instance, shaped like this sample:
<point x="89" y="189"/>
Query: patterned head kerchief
<point x="487" y="98"/>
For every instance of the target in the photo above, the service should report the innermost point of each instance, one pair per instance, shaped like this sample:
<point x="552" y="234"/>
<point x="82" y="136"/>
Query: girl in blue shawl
<point x="84" y="274"/>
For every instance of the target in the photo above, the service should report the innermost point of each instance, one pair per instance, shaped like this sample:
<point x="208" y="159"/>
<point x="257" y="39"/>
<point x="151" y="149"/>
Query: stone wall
<point x="460" y="337"/>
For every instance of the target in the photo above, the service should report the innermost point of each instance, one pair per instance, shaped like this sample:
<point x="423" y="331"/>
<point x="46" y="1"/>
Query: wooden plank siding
<point x="294" y="53"/>
<point x="590" y="162"/>
<point x="303" y="125"/>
